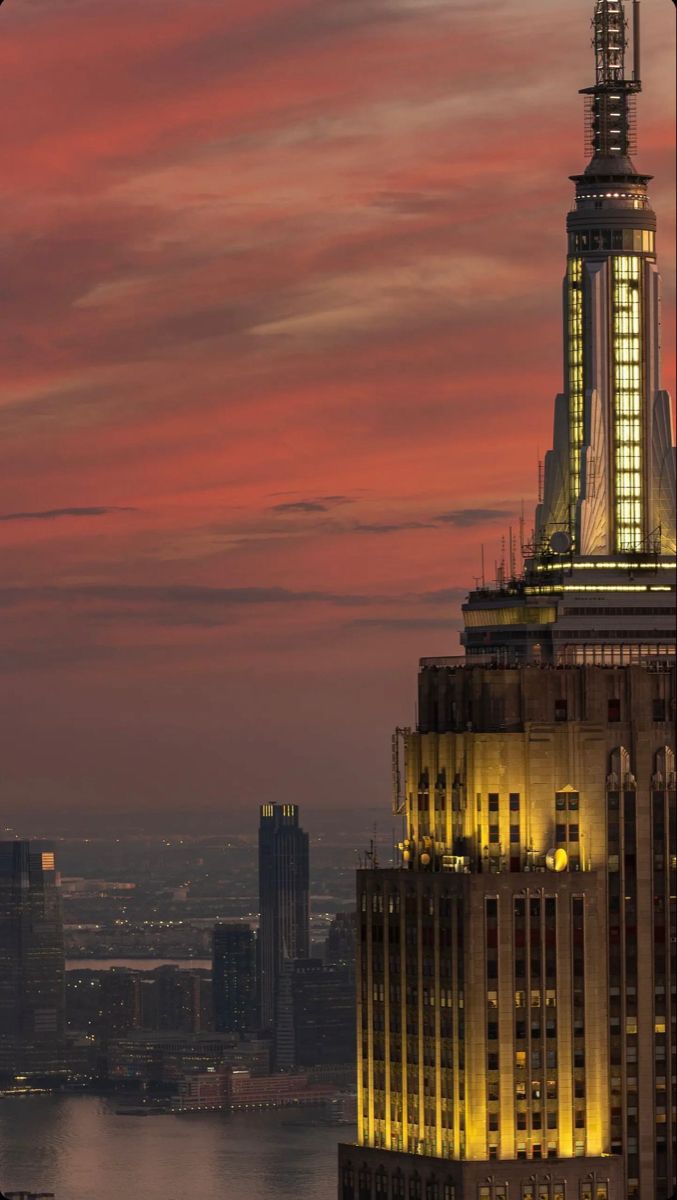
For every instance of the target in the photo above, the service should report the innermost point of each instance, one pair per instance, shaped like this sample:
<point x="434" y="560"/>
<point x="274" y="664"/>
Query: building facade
<point x="315" y="1023"/>
<point x="234" y="978"/>
<point x="517" y="973"/>
<point x="32" y="999"/>
<point x="284" y="900"/>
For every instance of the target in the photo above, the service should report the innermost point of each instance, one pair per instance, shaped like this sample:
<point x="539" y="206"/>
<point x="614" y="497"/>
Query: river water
<point x="76" y="1147"/>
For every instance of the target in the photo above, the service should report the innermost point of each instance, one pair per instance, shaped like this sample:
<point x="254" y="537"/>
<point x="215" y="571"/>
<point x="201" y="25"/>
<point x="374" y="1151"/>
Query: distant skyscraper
<point x="517" y="977"/>
<point x="234" y="978"/>
<point x="315" y="1023"/>
<point x="32" y="1017"/>
<point x="284" y="929"/>
<point x="339" y="947"/>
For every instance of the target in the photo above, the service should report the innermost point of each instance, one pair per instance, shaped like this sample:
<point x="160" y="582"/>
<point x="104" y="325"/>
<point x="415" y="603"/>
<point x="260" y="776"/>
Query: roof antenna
<point x="636" y="74"/>
<point x="511" y="544"/>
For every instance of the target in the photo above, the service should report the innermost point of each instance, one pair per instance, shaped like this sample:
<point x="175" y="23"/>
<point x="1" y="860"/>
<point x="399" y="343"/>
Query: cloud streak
<point x="468" y="518"/>
<point x="55" y="514"/>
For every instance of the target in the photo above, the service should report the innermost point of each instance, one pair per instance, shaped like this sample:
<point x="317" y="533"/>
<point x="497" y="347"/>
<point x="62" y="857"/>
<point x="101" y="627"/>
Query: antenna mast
<point x="610" y="110"/>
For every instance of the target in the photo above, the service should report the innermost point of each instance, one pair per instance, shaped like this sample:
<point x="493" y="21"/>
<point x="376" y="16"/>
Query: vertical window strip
<point x="627" y="402"/>
<point x="575" y="381"/>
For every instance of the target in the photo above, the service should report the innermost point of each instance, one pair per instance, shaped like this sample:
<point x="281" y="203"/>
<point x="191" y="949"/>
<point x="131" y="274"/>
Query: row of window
<point x="658" y="709"/>
<point x="587" y="654"/>
<point x="640" y="241"/>
<point x="378" y="1186"/>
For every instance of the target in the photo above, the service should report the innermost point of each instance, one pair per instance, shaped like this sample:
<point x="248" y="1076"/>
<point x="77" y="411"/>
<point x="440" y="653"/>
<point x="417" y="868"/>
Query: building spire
<point x="610" y="111"/>
<point x="610" y="41"/>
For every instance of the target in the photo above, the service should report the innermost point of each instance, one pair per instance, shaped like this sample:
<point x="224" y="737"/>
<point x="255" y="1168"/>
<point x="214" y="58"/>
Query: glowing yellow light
<point x="575" y="381"/>
<point x="510" y="616"/>
<point x="627" y="402"/>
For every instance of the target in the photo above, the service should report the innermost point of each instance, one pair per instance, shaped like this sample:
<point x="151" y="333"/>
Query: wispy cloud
<point x="211" y="597"/>
<point x="466" y="518"/>
<point x="318" y="504"/>
<point x="55" y="514"/>
<point x="405" y="623"/>
<point x="391" y="527"/>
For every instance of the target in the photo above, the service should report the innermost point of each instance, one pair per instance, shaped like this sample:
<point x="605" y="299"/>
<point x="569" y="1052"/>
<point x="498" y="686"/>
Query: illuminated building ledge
<point x="603" y="564"/>
<point x="372" y="1174"/>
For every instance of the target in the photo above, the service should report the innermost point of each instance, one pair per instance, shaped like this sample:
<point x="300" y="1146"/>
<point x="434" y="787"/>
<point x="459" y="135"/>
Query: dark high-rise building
<point x="339" y="948"/>
<point x="171" y="998"/>
<point x="284" y="929"/>
<point x="315" y="1023"/>
<point x="32" y="1016"/>
<point x="234" y="978"/>
<point x="517" y="975"/>
<point x="111" y="1002"/>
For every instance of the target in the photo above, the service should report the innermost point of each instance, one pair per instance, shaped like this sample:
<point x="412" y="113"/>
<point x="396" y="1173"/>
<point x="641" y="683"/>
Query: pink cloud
<point x="282" y="249"/>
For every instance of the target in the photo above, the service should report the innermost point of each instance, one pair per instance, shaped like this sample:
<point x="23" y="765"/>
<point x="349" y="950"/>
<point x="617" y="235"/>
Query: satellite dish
<point x="557" y="860"/>
<point x="560" y="542"/>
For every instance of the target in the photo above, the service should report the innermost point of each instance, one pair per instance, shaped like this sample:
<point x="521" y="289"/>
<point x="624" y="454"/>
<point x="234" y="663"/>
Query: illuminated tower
<point x="610" y="479"/>
<point x="599" y="578"/>
<point x="284" y="929"/>
<point x="517" y="971"/>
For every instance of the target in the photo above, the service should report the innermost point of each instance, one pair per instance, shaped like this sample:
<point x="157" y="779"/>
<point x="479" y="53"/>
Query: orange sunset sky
<point x="280" y="337"/>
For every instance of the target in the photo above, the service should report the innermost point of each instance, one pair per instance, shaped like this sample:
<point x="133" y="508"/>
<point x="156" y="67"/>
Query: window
<point x="493" y="801"/>
<point x="658" y="709"/>
<point x="364" y="1184"/>
<point x="560" y="710"/>
<point x="348" y="1183"/>
<point x="514" y="802"/>
<point x="614" y="709"/>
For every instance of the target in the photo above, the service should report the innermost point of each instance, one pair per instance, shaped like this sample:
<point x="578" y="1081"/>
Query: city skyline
<point x="255" y="285"/>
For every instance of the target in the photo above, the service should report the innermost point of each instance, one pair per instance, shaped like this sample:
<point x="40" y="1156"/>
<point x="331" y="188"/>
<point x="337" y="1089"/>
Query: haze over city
<point x="254" y="260"/>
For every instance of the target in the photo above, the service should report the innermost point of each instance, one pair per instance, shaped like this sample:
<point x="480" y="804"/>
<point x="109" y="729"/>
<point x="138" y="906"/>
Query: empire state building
<point x="517" y="970"/>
